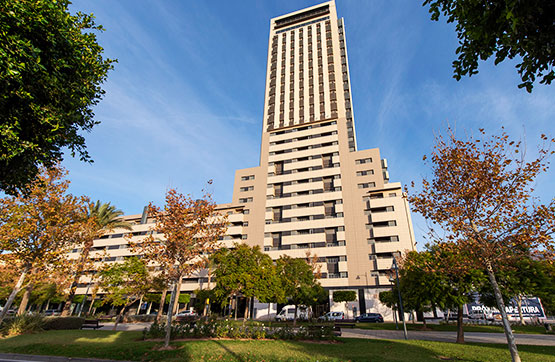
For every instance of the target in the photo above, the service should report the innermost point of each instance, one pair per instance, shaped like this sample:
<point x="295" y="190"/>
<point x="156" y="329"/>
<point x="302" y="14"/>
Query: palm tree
<point x="99" y="219"/>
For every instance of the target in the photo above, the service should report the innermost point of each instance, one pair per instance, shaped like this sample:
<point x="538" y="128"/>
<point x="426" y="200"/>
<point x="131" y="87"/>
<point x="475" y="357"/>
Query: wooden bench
<point x="91" y="323"/>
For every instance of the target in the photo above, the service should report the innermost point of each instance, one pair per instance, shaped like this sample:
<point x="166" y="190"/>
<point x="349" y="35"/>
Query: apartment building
<point x="313" y="190"/>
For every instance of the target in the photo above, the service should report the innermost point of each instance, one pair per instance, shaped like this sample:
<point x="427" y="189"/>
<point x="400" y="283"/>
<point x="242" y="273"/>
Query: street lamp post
<point x="400" y="299"/>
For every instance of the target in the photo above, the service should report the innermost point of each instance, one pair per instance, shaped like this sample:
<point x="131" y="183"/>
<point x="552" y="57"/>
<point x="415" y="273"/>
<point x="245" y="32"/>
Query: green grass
<point x="127" y="345"/>
<point x="453" y="328"/>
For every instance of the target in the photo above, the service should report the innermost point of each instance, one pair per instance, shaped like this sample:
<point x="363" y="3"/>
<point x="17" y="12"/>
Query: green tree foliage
<point x="51" y="71"/>
<point x="503" y="29"/>
<point x="183" y="298"/>
<point x="527" y="277"/>
<point x="246" y="271"/>
<point x="299" y="283"/>
<point x="389" y="299"/>
<point x="125" y="283"/>
<point x="344" y="296"/>
<point x="420" y="288"/>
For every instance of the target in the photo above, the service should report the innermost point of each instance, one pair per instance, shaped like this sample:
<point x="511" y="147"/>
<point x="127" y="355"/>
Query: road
<point x="478" y="337"/>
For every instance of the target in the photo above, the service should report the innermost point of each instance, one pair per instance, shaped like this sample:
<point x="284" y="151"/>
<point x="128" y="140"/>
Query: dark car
<point x="370" y="317"/>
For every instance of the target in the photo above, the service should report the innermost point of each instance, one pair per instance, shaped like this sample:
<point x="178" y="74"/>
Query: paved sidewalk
<point x="125" y="326"/>
<point x="478" y="337"/>
<point x="16" y="357"/>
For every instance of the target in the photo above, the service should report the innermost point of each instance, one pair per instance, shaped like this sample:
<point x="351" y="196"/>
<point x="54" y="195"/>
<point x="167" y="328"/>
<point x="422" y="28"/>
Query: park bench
<point x="92" y="323"/>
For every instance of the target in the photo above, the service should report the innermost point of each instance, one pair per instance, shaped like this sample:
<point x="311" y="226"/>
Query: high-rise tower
<point x="314" y="191"/>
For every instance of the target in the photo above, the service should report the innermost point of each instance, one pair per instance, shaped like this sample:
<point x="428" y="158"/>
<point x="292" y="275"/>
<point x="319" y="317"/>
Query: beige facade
<point x="313" y="191"/>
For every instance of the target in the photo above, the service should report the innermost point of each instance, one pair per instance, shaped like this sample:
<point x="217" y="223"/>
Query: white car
<point x="333" y="316"/>
<point x="186" y="314"/>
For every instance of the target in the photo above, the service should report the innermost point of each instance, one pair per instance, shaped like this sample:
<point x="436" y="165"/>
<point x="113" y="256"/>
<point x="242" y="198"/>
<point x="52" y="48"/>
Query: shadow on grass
<point x="129" y="346"/>
<point x="228" y="350"/>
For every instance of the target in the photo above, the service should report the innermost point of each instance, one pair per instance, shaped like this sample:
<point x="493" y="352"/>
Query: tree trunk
<point x="139" y="307"/>
<point x="460" y="330"/>
<point x="205" y="311"/>
<point x="501" y="305"/>
<point x="269" y="308"/>
<point x="424" y="321"/>
<point x="246" y="315"/>
<point x="170" y="315"/>
<point x="14" y="292"/>
<point x="236" y="307"/>
<point x="120" y="314"/>
<point x="519" y="303"/>
<point x="162" y="305"/>
<point x="149" y="308"/>
<point x="47" y="304"/>
<point x="93" y="298"/>
<point x="176" y="305"/>
<point x="295" y="318"/>
<point x="25" y="299"/>
<point x="80" y="266"/>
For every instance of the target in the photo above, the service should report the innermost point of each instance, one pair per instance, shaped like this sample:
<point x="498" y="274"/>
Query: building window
<point x="247" y="178"/>
<point x="363" y="160"/>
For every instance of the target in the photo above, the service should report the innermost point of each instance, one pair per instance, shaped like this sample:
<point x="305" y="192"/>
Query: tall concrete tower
<point x="314" y="190"/>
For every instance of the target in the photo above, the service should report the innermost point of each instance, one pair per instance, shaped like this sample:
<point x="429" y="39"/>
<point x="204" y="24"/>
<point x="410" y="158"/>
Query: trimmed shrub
<point x="344" y="296"/>
<point x="230" y="329"/>
<point x="22" y="324"/>
<point x="58" y="323"/>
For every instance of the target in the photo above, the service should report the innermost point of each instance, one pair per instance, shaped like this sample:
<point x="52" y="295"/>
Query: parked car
<point x="370" y="317"/>
<point x="287" y="313"/>
<point x="51" y="312"/>
<point x="186" y="315"/>
<point x="332" y="316"/>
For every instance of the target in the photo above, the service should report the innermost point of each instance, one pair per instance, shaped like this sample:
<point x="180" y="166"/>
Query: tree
<point x="99" y="219"/>
<point x="480" y="195"/>
<point x="344" y="296"/>
<point x="247" y="271"/>
<point x="191" y="228"/>
<point x="36" y="231"/>
<point x="299" y="283"/>
<point x="506" y="29"/>
<point x="545" y="288"/>
<point x="125" y="283"/>
<point x="458" y="280"/>
<point x="527" y="277"/>
<point x="52" y="70"/>
<point x="421" y="288"/>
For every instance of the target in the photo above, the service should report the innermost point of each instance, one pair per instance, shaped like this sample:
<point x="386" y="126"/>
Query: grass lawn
<point x="127" y="345"/>
<point x="453" y="327"/>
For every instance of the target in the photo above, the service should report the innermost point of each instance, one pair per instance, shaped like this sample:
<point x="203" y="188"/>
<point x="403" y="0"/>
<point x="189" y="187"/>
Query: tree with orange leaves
<point x="37" y="231"/>
<point x="481" y="196"/>
<point x="191" y="228"/>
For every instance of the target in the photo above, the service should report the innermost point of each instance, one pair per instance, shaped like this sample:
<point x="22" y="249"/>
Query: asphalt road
<point x="478" y="337"/>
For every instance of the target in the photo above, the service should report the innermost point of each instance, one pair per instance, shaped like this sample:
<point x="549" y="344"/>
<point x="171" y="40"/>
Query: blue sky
<point x="184" y="103"/>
